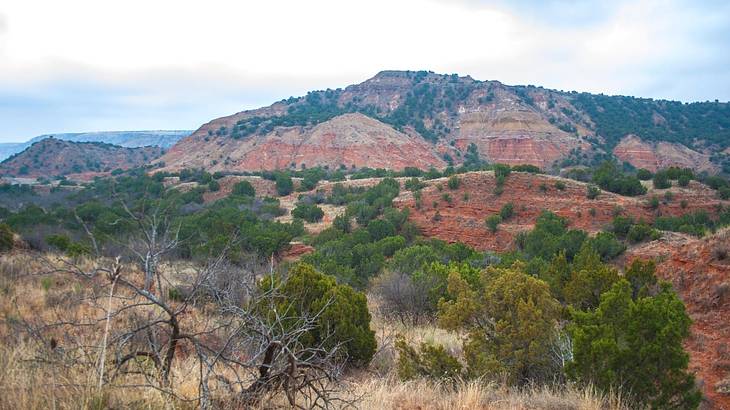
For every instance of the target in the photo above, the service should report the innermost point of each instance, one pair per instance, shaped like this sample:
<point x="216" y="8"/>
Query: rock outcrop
<point x="350" y="140"/>
<point x="394" y="120"/>
<point x="654" y="156"/>
<point x="440" y="116"/>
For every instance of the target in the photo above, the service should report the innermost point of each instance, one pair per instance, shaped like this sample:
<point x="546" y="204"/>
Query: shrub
<point x="454" y="182"/>
<point x="516" y="341"/>
<point x="684" y="180"/>
<point x="344" y="318"/>
<point x="641" y="232"/>
<point x="527" y="168"/>
<point x="608" y="176"/>
<point x="683" y="203"/>
<point x="76" y="249"/>
<point x="414" y="184"/>
<point x="493" y="222"/>
<point x="243" y="188"/>
<point x="560" y="185"/>
<point x="543" y="187"/>
<point x="636" y="345"/>
<point x="592" y="211"/>
<point x="284" y="184"/>
<point x="592" y="192"/>
<point x="507" y="211"/>
<point x="446" y="197"/>
<point x="214" y="186"/>
<point x="641" y="277"/>
<point x="60" y="242"/>
<point x="502" y="170"/>
<point x="6" y="238"/>
<point x="390" y="245"/>
<point x="342" y="222"/>
<point x="653" y="202"/>
<point x="429" y="361"/>
<point x="589" y="278"/>
<point x="661" y="181"/>
<point x="621" y="225"/>
<point x="668" y="196"/>
<point x="607" y="245"/>
<point x="380" y="228"/>
<point x="308" y="212"/>
<point x="643" y="174"/>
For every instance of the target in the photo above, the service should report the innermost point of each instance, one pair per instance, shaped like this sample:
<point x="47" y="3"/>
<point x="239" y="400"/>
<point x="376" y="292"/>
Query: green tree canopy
<point x="635" y="345"/>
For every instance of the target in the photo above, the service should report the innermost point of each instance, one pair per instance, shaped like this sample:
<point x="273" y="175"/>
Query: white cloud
<point x="204" y="59"/>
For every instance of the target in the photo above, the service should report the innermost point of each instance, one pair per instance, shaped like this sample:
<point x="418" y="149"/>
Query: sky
<point x="94" y="65"/>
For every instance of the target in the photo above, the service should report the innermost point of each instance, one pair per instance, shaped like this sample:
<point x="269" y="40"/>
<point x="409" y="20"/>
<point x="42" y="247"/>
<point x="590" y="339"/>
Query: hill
<point x="129" y="139"/>
<point x="507" y="124"/>
<point x="52" y="157"/>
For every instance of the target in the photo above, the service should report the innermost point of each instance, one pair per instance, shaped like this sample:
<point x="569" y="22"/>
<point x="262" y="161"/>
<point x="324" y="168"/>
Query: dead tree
<point x="246" y="343"/>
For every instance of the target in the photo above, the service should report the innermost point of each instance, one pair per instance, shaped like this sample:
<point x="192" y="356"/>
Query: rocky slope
<point x="509" y="124"/>
<point x="350" y="140"/>
<point x="462" y="219"/>
<point x="699" y="269"/>
<point x="52" y="157"/>
<point x="654" y="156"/>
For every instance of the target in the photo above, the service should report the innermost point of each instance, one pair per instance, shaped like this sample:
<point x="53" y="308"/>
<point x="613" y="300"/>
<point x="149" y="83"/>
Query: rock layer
<point x="654" y="156"/>
<point x="350" y="140"/>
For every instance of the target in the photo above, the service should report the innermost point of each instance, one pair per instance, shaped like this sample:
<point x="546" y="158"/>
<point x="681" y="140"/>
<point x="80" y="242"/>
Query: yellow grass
<point x="30" y="380"/>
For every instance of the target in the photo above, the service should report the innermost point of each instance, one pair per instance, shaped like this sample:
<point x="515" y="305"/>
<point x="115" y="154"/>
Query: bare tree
<point x="248" y="342"/>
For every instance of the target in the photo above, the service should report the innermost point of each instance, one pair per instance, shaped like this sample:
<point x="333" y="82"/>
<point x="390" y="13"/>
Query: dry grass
<point x="379" y="393"/>
<point x="29" y="379"/>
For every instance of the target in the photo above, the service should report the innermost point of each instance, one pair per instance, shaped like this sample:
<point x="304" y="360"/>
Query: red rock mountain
<point x="399" y="119"/>
<point x="403" y="119"/>
<point x="52" y="157"/>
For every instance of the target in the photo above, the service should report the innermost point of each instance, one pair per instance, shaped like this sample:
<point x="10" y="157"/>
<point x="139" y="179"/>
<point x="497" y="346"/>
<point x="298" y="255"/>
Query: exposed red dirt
<point x="463" y="219"/>
<point x="654" y="156"/>
<point x="296" y="250"/>
<point x="700" y="272"/>
<point x="352" y="140"/>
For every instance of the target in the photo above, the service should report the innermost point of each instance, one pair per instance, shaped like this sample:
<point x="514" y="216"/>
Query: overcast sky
<point x="96" y="65"/>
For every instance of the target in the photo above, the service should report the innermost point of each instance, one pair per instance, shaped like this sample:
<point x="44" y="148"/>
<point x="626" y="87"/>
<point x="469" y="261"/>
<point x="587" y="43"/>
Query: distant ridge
<point x="52" y="157"/>
<point x="127" y="139"/>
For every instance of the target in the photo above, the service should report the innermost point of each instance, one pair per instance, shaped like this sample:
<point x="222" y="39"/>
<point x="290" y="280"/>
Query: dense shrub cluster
<point x="610" y="178"/>
<point x="344" y="319"/>
<point x="308" y="212"/>
<point x="238" y="224"/>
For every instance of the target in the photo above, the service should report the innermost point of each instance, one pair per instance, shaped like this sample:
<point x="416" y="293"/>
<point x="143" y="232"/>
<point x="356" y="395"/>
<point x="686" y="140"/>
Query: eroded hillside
<point x="459" y="214"/>
<point x="699" y="270"/>
<point x="436" y="118"/>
